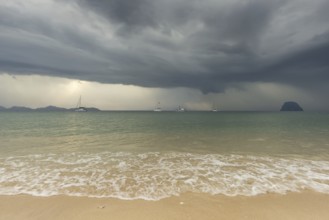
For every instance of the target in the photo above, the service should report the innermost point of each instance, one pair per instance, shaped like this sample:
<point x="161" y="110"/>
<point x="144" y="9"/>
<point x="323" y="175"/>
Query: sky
<point x="132" y="54"/>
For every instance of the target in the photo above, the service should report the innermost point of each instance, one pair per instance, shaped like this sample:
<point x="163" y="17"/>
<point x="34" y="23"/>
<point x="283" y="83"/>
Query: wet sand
<point x="306" y="205"/>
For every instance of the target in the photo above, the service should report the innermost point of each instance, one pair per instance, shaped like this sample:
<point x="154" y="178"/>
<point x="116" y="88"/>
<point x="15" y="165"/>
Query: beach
<point x="144" y="165"/>
<point x="306" y="205"/>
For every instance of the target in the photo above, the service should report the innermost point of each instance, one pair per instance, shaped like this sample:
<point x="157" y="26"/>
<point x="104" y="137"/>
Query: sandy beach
<point x="307" y="205"/>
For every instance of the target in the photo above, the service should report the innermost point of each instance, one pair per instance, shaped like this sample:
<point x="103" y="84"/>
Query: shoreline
<point x="304" y="205"/>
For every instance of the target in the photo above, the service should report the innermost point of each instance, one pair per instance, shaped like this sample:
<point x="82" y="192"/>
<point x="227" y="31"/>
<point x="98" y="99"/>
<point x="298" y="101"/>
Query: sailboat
<point x="79" y="108"/>
<point x="214" y="109"/>
<point x="181" y="109"/>
<point x="158" y="108"/>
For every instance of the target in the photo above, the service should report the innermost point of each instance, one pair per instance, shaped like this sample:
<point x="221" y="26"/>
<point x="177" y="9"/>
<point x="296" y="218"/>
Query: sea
<point x="156" y="155"/>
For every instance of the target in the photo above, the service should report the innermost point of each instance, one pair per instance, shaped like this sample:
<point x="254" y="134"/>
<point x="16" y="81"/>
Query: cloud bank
<point x="208" y="45"/>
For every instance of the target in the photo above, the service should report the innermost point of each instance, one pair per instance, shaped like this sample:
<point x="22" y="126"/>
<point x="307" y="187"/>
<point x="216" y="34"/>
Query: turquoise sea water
<point x="153" y="155"/>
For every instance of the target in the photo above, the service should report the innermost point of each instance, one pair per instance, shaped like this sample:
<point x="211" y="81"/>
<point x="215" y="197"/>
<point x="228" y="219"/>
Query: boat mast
<point x="79" y="103"/>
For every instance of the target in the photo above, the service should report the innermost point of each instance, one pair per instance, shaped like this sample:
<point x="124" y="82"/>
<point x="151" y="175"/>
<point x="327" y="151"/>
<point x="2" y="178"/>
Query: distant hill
<point x="43" y="109"/>
<point x="20" y="109"/>
<point x="291" y="106"/>
<point x="90" y="109"/>
<point x="51" y="109"/>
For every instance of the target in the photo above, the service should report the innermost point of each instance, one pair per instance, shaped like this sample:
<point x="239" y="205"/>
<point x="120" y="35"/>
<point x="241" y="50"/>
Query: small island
<point x="291" y="106"/>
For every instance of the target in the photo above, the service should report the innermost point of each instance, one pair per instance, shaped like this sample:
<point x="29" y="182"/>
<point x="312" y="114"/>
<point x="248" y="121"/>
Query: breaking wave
<point x="153" y="176"/>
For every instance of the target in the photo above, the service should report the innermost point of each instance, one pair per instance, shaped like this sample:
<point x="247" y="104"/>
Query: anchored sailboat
<point x="181" y="109"/>
<point x="79" y="108"/>
<point x="158" y="108"/>
<point x="214" y="108"/>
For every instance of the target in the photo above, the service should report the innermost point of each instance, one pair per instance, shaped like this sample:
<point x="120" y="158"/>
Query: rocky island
<point x="291" y="106"/>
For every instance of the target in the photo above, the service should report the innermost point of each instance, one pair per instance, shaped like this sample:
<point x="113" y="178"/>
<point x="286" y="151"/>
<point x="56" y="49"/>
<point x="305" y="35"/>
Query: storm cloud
<point x="206" y="45"/>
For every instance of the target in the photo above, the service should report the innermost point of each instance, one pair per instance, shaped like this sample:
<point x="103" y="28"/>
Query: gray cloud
<point x="131" y="13"/>
<point x="206" y="45"/>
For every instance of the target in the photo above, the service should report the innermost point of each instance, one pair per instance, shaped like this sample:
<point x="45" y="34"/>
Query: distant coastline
<point x="287" y="106"/>
<point x="43" y="109"/>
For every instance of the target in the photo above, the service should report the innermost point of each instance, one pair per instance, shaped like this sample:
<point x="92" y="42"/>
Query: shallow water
<point x="153" y="155"/>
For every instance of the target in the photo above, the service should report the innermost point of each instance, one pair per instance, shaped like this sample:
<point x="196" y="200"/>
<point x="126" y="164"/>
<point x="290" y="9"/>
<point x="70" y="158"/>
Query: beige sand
<point x="299" y="206"/>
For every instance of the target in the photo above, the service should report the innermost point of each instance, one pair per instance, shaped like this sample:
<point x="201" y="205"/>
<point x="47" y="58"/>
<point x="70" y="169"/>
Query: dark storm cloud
<point x="308" y="66"/>
<point x="207" y="45"/>
<point x="130" y="13"/>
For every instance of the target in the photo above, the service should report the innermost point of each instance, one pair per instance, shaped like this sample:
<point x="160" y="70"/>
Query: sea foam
<point x="153" y="176"/>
